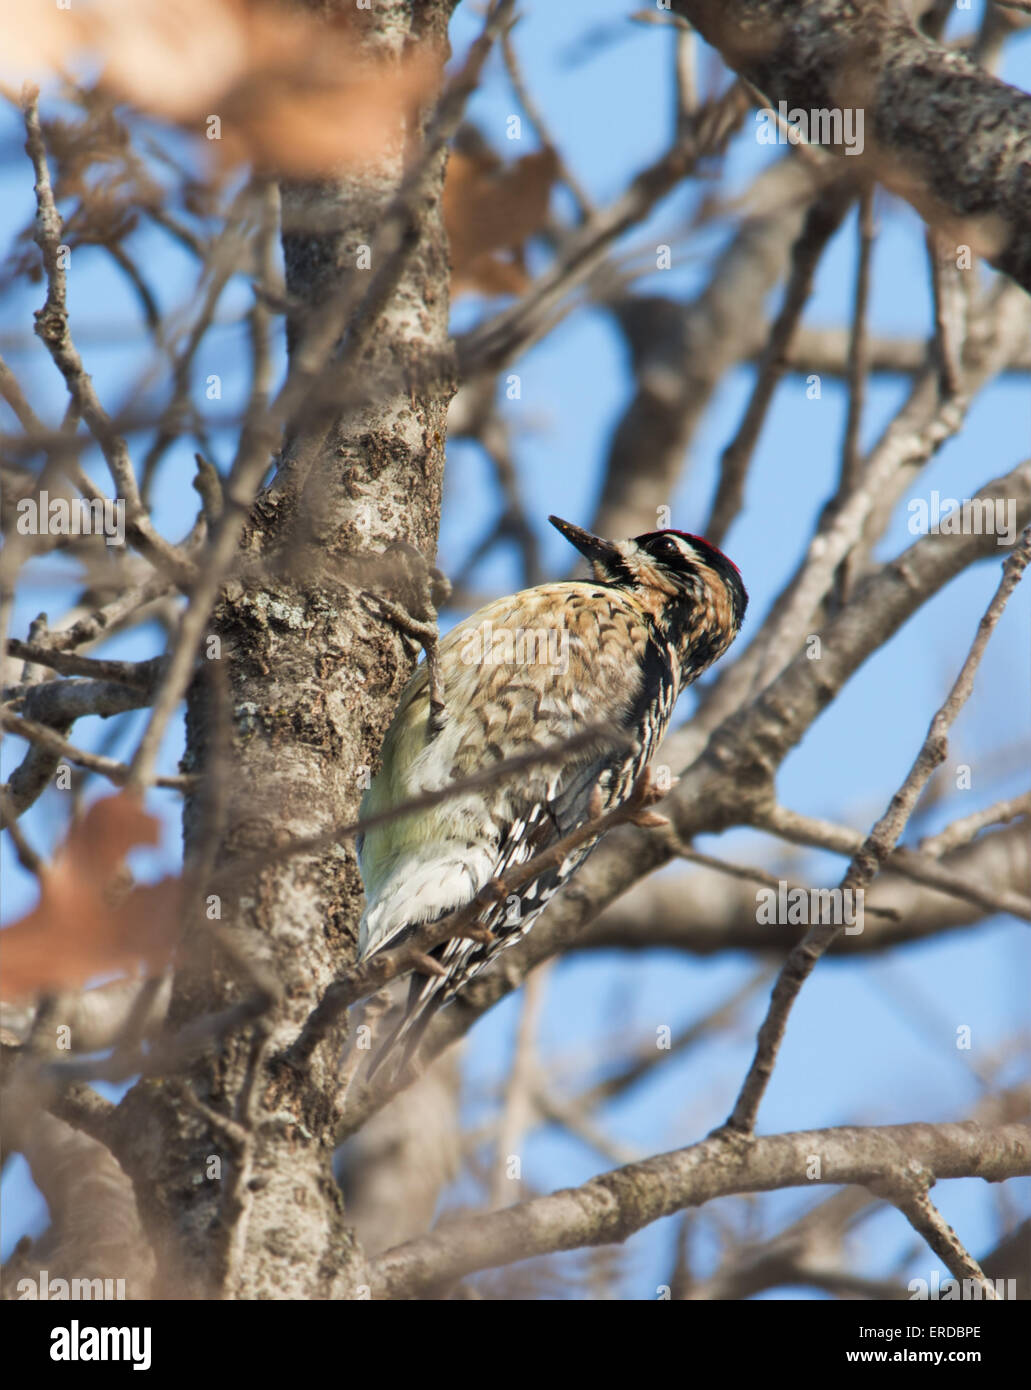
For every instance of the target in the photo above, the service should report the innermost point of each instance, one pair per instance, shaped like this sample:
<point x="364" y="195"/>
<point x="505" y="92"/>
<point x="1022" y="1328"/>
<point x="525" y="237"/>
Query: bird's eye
<point x="669" y="546"/>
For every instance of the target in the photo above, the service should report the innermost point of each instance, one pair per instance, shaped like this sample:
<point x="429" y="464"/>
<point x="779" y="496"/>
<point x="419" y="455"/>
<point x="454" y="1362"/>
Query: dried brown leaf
<point x="82" y="925"/>
<point x="491" y="210"/>
<point x="260" y="83"/>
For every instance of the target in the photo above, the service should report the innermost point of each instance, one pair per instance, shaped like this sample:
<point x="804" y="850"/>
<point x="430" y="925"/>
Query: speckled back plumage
<point x="530" y="671"/>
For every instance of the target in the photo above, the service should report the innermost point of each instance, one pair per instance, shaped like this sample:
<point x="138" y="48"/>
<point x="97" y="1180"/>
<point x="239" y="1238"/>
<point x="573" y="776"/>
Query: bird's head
<point x="692" y="591"/>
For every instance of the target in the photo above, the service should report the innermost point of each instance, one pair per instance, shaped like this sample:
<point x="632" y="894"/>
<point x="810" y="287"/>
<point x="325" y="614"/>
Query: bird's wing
<point x="522" y="675"/>
<point x="497" y="709"/>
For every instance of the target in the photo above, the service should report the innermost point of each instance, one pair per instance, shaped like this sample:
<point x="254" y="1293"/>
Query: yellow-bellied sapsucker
<point x="528" y="672"/>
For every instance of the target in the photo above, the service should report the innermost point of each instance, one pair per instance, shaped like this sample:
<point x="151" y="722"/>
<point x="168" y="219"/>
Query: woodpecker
<point x="528" y="672"/>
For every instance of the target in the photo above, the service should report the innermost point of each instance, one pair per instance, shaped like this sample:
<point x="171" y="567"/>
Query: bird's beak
<point x="601" y="553"/>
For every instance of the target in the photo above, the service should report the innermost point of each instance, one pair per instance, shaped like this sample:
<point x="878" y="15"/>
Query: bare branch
<point x="58" y="747"/>
<point x="950" y="139"/>
<point x="139" y="674"/>
<point x="920" y="866"/>
<point x="878" y="845"/>
<point x="906" y="1189"/>
<point x="52" y="328"/>
<point x="615" y="1205"/>
<point x="961" y="832"/>
<point x="700" y="912"/>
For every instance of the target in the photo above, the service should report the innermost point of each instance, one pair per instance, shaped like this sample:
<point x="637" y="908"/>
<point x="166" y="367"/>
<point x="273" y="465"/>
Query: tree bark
<point x="312" y="679"/>
<point x="939" y="131"/>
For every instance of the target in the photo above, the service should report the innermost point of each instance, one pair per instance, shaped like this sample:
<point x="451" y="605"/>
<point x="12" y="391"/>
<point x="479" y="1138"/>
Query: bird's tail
<point x="419" y="1011"/>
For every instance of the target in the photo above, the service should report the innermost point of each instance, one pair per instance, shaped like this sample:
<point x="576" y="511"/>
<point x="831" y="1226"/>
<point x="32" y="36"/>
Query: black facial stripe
<point x="620" y="573"/>
<point x="693" y="550"/>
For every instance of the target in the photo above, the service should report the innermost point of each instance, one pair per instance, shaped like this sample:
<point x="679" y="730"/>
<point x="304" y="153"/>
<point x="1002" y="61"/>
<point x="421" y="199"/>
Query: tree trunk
<point x="313" y="677"/>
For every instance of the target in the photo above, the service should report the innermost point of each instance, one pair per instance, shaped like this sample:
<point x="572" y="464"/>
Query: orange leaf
<point x="491" y="208"/>
<point x="291" y="92"/>
<point x="81" y="927"/>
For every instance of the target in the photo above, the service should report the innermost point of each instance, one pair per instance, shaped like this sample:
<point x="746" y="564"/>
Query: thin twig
<point x="949" y="312"/>
<point x="516" y="1111"/>
<point x="866" y="863"/>
<point x="426" y="633"/>
<point x="917" y="865"/>
<point x="822" y="221"/>
<point x="751" y="874"/>
<point x="109" y="617"/>
<point x="114" y="771"/>
<point x="907" y="1191"/>
<point x="138" y="674"/>
<point x="28" y="858"/>
<point x="53" y="330"/>
<point x="630" y="1073"/>
<point x="488" y="346"/>
<point x="858" y="372"/>
<point x="534" y="116"/>
<point x="962" y="832"/>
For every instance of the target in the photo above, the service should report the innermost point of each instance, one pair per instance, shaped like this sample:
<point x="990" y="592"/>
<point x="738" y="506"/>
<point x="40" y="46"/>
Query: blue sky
<point x="871" y="1041"/>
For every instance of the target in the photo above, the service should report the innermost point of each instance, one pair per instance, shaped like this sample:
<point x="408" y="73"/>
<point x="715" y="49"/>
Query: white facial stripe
<point x="687" y="550"/>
